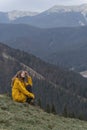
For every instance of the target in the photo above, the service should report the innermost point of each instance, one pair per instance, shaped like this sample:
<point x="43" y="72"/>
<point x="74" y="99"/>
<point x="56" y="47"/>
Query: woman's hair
<point x="18" y="75"/>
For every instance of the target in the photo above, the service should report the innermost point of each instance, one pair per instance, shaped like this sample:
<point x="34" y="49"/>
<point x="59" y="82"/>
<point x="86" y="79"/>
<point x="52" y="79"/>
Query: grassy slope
<point x="17" y="116"/>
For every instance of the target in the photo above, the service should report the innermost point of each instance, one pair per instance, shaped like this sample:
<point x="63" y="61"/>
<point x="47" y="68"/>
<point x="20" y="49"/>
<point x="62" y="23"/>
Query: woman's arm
<point x="29" y="81"/>
<point x="23" y="90"/>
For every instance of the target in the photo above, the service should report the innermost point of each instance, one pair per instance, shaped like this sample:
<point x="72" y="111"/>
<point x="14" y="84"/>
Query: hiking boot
<point x="32" y="102"/>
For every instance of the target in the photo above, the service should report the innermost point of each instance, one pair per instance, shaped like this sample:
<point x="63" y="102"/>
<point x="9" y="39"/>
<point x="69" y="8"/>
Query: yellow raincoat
<point x="19" y="91"/>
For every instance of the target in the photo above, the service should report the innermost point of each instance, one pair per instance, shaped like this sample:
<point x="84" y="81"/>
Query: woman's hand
<point x="26" y="73"/>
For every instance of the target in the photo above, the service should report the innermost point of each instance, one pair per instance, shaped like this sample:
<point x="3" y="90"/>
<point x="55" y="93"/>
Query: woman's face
<point x="23" y="74"/>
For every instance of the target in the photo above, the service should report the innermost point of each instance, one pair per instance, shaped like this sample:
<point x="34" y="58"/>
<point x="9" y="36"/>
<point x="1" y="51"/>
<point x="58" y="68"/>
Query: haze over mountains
<point x="65" y="47"/>
<point x="57" y="16"/>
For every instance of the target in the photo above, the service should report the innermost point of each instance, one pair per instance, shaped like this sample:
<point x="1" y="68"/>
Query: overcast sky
<point x="35" y="5"/>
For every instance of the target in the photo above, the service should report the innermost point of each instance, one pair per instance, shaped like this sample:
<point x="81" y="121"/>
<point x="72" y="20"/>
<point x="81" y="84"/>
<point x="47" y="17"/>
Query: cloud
<point x="35" y="5"/>
<point x="70" y="2"/>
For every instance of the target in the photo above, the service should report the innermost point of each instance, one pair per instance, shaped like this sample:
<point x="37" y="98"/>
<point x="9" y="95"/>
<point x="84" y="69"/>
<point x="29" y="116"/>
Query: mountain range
<point x="58" y="36"/>
<point x="57" y="16"/>
<point x="57" y="90"/>
<point x="66" y="47"/>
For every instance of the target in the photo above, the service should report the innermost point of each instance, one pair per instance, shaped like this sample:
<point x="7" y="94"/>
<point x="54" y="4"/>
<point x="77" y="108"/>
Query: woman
<point x="22" y="87"/>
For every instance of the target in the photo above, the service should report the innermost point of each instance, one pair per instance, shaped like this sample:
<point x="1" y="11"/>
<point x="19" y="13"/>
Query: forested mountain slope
<point x="56" y="89"/>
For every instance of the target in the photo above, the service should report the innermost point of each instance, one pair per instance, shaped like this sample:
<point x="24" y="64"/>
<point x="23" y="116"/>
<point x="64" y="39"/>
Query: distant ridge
<point x="75" y="8"/>
<point x="56" y="16"/>
<point x="56" y="45"/>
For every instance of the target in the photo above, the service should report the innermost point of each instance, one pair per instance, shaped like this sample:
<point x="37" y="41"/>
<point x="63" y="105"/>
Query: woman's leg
<point x="29" y="88"/>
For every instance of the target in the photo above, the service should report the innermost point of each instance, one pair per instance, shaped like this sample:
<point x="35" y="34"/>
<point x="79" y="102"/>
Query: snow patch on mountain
<point x="81" y="23"/>
<point x="61" y="9"/>
<point x="17" y="14"/>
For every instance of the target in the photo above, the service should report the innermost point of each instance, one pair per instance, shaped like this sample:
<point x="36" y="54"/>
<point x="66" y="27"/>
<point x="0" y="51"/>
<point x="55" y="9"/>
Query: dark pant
<point x="29" y="88"/>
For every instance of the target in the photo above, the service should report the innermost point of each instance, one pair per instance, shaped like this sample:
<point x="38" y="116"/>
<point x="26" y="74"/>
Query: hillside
<point x="56" y="89"/>
<point x="9" y="65"/>
<point x="65" y="47"/>
<point x="16" y="116"/>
